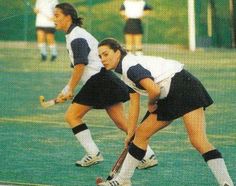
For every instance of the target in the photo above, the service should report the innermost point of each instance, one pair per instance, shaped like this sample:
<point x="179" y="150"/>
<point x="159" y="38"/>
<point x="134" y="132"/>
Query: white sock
<point x="53" y="50"/>
<point x="42" y="48"/>
<point x="128" y="168"/>
<point x="220" y="171"/>
<point x="149" y="153"/>
<point x="87" y="142"/>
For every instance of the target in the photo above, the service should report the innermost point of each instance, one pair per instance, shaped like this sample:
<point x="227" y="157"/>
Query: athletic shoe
<point x="115" y="183"/>
<point x="53" y="58"/>
<point x="43" y="57"/>
<point x="148" y="163"/>
<point x="89" y="160"/>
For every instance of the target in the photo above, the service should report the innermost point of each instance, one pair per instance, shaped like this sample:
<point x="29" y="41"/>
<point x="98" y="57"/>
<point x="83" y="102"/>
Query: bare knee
<point x="72" y="119"/>
<point x="201" y="144"/>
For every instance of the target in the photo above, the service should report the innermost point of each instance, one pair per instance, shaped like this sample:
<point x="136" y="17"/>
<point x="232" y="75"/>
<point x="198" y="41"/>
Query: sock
<point x="149" y="153"/>
<point x="134" y="156"/>
<point x="218" y="168"/>
<point x="53" y="50"/>
<point x="82" y="133"/>
<point x="42" y="48"/>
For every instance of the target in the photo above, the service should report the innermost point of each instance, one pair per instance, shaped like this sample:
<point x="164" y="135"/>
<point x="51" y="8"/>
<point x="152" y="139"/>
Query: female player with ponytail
<point x="101" y="88"/>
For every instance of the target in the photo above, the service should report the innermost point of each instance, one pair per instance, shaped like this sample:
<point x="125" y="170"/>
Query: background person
<point x="45" y="28"/>
<point x="133" y="11"/>
<point x="101" y="88"/>
<point x="172" y="93"/>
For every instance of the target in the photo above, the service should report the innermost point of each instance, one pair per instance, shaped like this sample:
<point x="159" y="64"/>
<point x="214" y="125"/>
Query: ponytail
<point x="78" y="21"/>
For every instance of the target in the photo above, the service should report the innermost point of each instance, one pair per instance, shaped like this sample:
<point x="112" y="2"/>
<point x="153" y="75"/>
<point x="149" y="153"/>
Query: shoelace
<point x="114" y="183"/>
<point x="86" y="158"/>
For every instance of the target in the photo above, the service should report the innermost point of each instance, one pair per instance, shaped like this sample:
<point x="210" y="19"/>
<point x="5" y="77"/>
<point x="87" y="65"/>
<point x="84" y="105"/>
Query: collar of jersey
<point x="72" y="26"/>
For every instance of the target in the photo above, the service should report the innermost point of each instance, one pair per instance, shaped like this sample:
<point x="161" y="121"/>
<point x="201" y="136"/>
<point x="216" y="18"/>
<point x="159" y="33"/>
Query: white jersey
<point x="134" y="9"/>
<point x="44" y="17"/>
<point x="134" y="68"/>
<point x="81" y="43"/>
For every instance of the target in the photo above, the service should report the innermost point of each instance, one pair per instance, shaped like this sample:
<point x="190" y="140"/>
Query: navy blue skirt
<point x="48" y="30"/>
<point x="102" y="90"/>
<point x="186" y="94"/>
<point x="133" y="26"/>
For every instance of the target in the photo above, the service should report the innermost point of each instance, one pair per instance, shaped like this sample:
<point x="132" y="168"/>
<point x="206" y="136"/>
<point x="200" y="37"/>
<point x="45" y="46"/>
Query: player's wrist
<point x="66" y="90"/>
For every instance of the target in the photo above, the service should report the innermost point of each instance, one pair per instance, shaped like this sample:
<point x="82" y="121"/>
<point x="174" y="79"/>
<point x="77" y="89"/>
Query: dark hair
<point x="113" y="44"/>
<point x="68" y="9"/>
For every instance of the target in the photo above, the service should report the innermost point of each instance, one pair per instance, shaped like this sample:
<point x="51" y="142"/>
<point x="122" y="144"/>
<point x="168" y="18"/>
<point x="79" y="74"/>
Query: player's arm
<point x="143" y="79"/>
<point x="75" y="77"/>
<point x="80" y="50"/>
<point x="122" y="11"/>
<point x="153" y="91"/>
<point x="147" y="9"/>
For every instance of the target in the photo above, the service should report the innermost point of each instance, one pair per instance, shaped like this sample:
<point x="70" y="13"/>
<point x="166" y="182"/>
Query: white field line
<point x="6" y="183"/>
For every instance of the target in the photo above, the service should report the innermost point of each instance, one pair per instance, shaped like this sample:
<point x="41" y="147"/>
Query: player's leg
<point x="138" y="44"/>
<point x="138" y="148"/>
<point x="116" y="113"/>
<point x="195" y="124"/>
<point x="41" y="40"/>
<point x="52" y="45"/>
<point x="129" y="42"/>
<point x="74" y="116"/>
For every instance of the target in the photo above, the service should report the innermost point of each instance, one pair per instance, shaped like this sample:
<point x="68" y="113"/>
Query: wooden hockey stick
<point x="115" y="168"/>
<point x="46" y="104"/>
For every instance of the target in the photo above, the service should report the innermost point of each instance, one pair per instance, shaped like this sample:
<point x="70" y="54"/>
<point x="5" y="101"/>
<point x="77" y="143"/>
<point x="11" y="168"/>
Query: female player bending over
<point x="101" y="89"/>
<point x="172" y="93"/>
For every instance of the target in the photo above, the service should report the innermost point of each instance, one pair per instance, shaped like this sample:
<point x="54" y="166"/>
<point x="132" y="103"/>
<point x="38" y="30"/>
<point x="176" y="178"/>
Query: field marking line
<point x="47" y="122"/>
<point x="30" y="121"/>
<point x="19" y="183"/>
<point x="98" y="126"/>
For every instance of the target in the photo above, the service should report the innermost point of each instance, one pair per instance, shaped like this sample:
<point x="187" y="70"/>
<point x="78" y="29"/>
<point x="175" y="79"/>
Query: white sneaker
<point x="114" y="182"/>
<point x="148" y="163"/>
<point x="89" y="160"/>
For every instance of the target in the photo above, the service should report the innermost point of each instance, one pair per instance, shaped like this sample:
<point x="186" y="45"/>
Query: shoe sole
<point x="148" y="166"/>
<point x="88" y="165"/>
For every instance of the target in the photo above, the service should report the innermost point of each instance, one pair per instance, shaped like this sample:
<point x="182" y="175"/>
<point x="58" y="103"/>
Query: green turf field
<point x="37" y="146"/>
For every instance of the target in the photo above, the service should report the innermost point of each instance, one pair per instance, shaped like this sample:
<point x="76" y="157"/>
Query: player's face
<point x="109" y="58"/>
<point x="60" y="20"/>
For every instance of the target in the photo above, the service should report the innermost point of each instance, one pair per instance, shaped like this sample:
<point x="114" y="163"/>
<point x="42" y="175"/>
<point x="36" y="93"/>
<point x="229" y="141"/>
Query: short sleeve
<point x="80" y="50"/>
<point x="137" y="73"/>
<point x="147" y="7"/>
<point x="122" y="7"/>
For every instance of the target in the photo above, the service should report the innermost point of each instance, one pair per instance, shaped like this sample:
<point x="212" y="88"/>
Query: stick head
<point x="46" y="104"/>
<point x="41" y="99"/>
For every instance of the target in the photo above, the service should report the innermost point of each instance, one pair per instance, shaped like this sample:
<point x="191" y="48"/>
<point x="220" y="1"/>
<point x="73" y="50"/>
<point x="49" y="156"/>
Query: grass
<point x="37" y="146"/>
<point x="102" y="19"/>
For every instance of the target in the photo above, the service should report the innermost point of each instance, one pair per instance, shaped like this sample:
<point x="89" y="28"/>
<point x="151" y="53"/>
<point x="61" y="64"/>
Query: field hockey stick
<point x="116" y="167"/>
<point x="46" y="104"/>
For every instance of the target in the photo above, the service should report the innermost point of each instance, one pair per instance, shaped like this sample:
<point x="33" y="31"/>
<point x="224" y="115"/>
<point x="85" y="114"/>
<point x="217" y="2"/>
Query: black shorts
<point x="102" y="90"/>
<point x="133" y="26"/>
<point x="186" y="94"/>
<point x="47" y="30"/>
